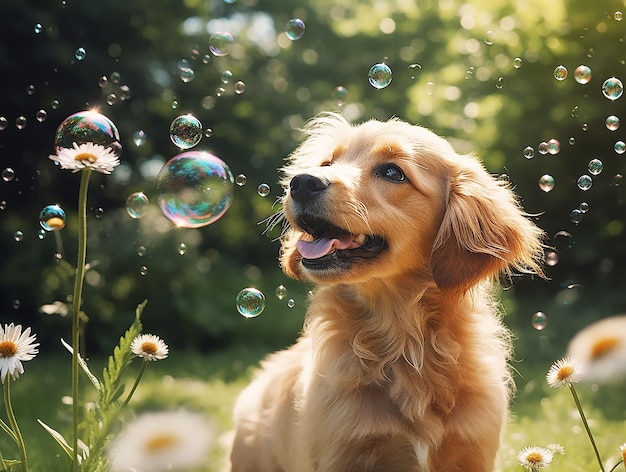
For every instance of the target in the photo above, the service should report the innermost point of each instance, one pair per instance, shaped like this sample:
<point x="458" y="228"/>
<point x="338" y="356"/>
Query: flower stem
<point x="77" y="298"/>
<point x="584" y="420"/>
<point x="144" y="364"/>
<point x="13" y="422"/>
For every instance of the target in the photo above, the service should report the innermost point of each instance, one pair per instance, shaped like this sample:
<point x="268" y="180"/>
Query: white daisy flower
<point x="534" y="458"/>
<point x="564" y="373"/>
<point x="601" y="348"/>
<point x="149" y="347"/>
<point x="86" y="156"/>
<point x="15" y="347"/>
<point x="175" y="440"/>
<point x="622" y="449"/>
<point x="556" y="449"/>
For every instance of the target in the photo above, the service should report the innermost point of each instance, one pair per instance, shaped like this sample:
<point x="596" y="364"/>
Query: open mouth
<point x="334" y="246"/>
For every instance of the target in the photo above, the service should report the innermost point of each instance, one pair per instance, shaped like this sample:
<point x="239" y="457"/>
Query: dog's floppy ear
<point x="484" y="231"/>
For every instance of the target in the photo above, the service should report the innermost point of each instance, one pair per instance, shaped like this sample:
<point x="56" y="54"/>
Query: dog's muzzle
<point x="304" y="188"/>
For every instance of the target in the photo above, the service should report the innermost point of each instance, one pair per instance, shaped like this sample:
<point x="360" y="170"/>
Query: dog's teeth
<point x="360" y="239"/>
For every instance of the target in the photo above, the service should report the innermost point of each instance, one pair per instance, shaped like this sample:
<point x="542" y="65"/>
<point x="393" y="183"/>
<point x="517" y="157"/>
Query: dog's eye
<point x="391" y="172"/>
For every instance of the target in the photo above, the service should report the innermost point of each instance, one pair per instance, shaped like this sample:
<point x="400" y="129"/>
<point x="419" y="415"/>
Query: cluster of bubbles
<point x="379" y="75"/>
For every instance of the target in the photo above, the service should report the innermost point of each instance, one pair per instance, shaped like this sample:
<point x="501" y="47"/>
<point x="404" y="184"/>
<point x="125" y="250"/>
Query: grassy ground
<point x="210" y="384"/>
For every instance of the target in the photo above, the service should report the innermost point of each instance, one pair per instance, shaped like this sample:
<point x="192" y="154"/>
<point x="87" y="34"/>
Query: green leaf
<point x="59" y="439"/>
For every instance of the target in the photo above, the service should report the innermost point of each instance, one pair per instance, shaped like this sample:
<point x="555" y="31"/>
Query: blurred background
<point x="482" y="73"/>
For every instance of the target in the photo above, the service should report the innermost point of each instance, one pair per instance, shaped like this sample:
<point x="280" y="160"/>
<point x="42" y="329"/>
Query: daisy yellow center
<point x="602" y="347"/>
<point x="534" y="458"/>
<point x="161" y="442"/>
<point x="7" y="349"/>
<point x="565" y="372"/>
<point x="85" y="156"/>
<point x="149" y="347"/>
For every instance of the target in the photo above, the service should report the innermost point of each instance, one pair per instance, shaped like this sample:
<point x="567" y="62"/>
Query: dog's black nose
<point x="305" y="187"/>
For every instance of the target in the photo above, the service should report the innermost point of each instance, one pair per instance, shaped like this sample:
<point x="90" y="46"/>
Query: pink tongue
<point x="322" y="246"/>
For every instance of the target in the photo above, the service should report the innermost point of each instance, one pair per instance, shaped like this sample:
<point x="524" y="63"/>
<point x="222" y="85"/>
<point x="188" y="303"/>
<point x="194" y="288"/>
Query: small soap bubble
<point x="529" y="152"/>
<point x="619" y="147"/>
<point x="291" y="303"/>
<point x="281" y="292"/>
<point x="8" y="174"/>
<point x="414" y="69"/>
<point x="3" y="123"/>
<point x="103" y="81"/>
<point x="141" y="251"/>
<point x="560" y="73"/>
<point x="584" y="207"/>
<point x="98" y="212"/>
<point x="430" y="88"/>
<point x="221" y="44"/>
<point x="208" y="133"/>
<point x="240" y="87"/>
<point x="186" y="131"/>
<point x="250" y="302"/>
<point x="116" y="77"/>
<point x="3" y="205"/>
<point x="143" y="270"/>
<point x="175" y="104"/>
<point x="41" y="234"/>
<point x="295" y="29"/>
<point x="576" y="216"/>
<point x="263" y="190"/>
<point x="241" y="180"/>
<point x="595" y="166"/>
<point x="30" y="90"/>
<point x="80" y="54"/>
<point x="546" y="182"/>
<point x="379" y="75"/>
<point x="52" y="218"/>
<point x="618" y="16"/>
<point x="585" y="127"/>
<point x="21" y="122"/>
<point x="226" y="76"/>
<point x="500" y="83"/>
<point x="517" y="62"/>
<point x="612" y="123"/>
<point x="490" y="38"/>
<point x="139" y="138"/>
<point x="552" y="258"/>
<point x="554" y="146"/>
<point x="339" y="94"/>
<point x="582" y="74"/>
<point x="539" y="320"/>
<point x="584" y="182"/>
<point x="16" y="304"/>
<point x="137" y="204"/>
<point x="182" y="248"/>
<point x="543" y="147"/>
<point x="612" y="88"/>
<point x="18" y="236"/>
<point x="88" y="127"/>
<point x="111" y="99"/>
<point x="571" y="141"/>
<point x="575" y="112"/>
<point x="219" y="91"/>
<point x="41" y="115"/>
<point x="55" y="104"/>
<point x="38" y="28"/>
<point x="185" y="71"/>
<point x="195" y="189"/>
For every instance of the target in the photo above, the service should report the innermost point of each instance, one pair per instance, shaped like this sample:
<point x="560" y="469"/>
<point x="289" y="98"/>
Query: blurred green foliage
<point x="455" y="71"/>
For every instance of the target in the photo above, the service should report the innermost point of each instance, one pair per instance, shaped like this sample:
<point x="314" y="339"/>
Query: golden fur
<point x="402" y="363"/>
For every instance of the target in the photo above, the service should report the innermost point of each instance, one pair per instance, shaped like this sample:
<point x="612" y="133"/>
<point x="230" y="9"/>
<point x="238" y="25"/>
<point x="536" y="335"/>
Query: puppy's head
<point x="387" y="200"/>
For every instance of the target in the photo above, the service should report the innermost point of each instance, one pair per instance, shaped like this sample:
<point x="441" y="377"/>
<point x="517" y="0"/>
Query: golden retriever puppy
<point x="402" y="363"/>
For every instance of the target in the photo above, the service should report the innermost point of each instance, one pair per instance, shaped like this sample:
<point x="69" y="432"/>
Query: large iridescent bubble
<point x="195" y="188"/>
<point x="88" y="127"/>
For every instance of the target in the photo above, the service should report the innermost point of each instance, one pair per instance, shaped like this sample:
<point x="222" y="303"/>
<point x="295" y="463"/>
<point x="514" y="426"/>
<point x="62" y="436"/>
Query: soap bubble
<point x="52" y="218"/>
<point x="529" y="152"/>
<point x="543" y="147"/>
<point x="414" y="68"/>
<point x="595" y="166"/>
<point x="263" y="190"/>
<point x="186" y="131"/>
<point x="21" y="122"/>
<point x="560" y="73"/>
<point x="618" y="16"/>
<point x="490" y="38"/>
<point x="612" y="88"/>
<point x="546" y="182"/>
<point x="295" y="29"/>
<point x="584" y="207"/>
<point x="38" y="28"/>
<point x="208" y="133"/>
<point x="584" y="182"/>
<point x="195" y="189"/>
<point x="8" y="174"/>
<point x="240" y="87"/>
<point x="139" y="138"/>
<point x="554" y="146"/>
<point x="619" y="147"/>
<point x="88" y="127"/>
<point x="220" y="44"/>
<point x="141" y="251"/>
<point x="582" y="74"/>
<point x="250" y="302"/>
<point x="185" y="70"/>
<point x="137" y="204"/>
<point x="182" y="248"/>
<point x="612" y="123"/>
<point x="571" y="141"/>
<point x="517" y="62"/>
<point x="291" y="303"/>
<point x="80" y="54"/>
<point x="241" y="180"/>
<point x="339" y="94"/>
<point x="552" y="259"/>
<point x="3" y="123"/>
<point x="41" y="115"/>
<point x="18" y="236"/>
<point x="281" y="292"/>
<point x="226" y="76"/>
<point x="500" y="83"/>
<point x="539" y="320"/>
<point x="143" y="270"/>
<point x="379" y="75"/>
<point x="576" y="216"/>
